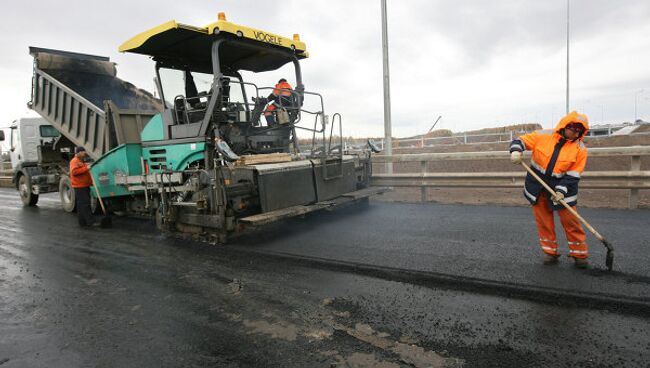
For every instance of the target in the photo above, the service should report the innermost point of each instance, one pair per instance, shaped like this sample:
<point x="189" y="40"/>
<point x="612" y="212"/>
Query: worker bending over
<point x="559" y="157"/>
<point x="280" y="97"/>
<point x="81" y="181"/>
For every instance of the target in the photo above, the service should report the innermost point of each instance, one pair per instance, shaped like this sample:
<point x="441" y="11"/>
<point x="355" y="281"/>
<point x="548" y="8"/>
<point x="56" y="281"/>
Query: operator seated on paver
<point x="279" y="100"/>
<point x="559" y="157"/>
<point x="81" y="181"/>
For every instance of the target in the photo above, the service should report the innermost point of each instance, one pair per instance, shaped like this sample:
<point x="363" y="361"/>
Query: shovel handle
<point x="101" y="203"/>
<point x="569" y="208"/>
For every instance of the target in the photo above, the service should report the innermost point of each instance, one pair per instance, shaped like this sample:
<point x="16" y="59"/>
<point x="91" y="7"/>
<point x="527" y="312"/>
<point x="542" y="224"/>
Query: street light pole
<point x="636" y="98"/>
<point x="388" y="144"/>
<point x="567" y="56"/>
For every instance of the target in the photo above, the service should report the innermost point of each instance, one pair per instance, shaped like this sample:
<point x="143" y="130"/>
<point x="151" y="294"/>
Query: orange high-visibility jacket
<point x="282" y="89"/>
<point x="79" y="174"/>
<point x="559" y="162"/>
<point x="280" y="96"/>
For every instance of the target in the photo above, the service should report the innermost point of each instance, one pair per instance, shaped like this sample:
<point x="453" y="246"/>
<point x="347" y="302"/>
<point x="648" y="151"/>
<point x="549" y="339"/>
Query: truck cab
<point x="25" y="137"/>
<point x="38" y="154"/>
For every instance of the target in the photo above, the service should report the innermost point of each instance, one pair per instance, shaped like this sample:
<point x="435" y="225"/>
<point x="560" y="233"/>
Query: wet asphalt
<point x="312" y="292"/>
<point x="481" y="242"/>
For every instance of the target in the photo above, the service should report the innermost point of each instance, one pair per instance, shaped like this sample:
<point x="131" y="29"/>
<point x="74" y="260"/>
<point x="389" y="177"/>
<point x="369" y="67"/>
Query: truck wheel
<point x="25" y="190"/>
<point x="95" y="208"/>
<point x="67" y="194"/>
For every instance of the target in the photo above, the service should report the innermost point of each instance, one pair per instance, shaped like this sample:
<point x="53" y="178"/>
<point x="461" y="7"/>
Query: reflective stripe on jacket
<point x="557" y="161"/>
<point x="79" y="174"/>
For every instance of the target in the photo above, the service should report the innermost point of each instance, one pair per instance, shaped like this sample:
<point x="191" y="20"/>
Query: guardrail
<point x="453" y="139"/>
<point x="634" y="179"/>
<point x="502" y="137"/>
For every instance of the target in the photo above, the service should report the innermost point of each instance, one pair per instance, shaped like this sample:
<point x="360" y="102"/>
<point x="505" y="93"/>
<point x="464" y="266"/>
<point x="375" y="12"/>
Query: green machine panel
<point x="123" y="160"/>
<point x="154" y="130"/>
<point x="175" y="157"/>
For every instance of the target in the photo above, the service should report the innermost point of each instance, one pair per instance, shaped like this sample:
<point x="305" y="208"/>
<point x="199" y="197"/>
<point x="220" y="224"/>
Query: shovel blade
<point x="609" y="261"/>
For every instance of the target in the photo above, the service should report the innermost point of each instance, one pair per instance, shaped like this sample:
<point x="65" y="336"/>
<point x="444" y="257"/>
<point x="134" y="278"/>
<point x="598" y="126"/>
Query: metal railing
<point x="464" y="138"/>
<point x="633" y="179"/>
<point x="297" y="107"/>
<point x="453" y="139"/>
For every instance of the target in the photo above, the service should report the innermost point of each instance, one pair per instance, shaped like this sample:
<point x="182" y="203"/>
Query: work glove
<point x="516" y="157"/>
<point x="558" y="196"/>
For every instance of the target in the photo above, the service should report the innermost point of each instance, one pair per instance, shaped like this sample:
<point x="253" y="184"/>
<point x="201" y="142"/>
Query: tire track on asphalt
<point x="546" y="295"/>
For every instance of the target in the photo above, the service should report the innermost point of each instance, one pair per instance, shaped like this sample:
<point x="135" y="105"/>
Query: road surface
<point x="389" y="285"/>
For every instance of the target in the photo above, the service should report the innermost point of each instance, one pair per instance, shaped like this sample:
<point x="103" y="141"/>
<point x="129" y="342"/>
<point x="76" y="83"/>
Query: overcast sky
<point x="477" y="63"/>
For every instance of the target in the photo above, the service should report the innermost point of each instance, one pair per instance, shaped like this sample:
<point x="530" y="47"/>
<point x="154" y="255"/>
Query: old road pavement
<point x="382" y="285"/>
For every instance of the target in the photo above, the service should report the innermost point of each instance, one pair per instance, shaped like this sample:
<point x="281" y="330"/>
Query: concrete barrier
<point x="632" y="179"/>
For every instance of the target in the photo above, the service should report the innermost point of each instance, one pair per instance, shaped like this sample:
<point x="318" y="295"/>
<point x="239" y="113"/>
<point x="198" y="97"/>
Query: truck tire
<point x="25" y="189"/>
<point x="95" y="208"/>
<point x="66" y="192"/>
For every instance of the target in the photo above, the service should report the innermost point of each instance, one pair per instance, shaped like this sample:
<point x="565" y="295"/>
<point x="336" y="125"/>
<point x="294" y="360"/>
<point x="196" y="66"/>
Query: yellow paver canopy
<point x="182" y="46"/>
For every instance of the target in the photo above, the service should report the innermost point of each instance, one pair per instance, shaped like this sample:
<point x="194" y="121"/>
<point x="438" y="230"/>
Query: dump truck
<point x="82" y="103"/>
<point x="200" y="158"/>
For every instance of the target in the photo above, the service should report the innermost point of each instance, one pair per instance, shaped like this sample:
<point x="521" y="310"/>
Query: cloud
<point x="477" y="63"/>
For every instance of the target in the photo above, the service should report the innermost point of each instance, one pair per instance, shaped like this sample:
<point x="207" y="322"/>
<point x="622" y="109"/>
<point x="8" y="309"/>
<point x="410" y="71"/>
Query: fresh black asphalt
<point x="358" y="287"/>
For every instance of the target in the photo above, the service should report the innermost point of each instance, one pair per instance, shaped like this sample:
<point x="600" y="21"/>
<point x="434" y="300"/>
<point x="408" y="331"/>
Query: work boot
<point x="550" y="259"/>
<point x="581" y="263"/>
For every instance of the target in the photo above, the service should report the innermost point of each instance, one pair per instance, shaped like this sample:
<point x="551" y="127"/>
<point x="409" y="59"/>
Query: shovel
<point x="106" y="221"/>
<point x="609" y="260"/>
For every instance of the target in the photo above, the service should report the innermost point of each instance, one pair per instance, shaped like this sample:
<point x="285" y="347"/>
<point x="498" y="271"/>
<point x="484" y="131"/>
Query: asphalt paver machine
<point x="207" y="161"/>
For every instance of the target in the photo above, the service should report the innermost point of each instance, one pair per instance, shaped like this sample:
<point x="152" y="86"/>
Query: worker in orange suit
<point x="559" y="157"/>
<point x="81" y="181"/>
<point x="280" y="97"/>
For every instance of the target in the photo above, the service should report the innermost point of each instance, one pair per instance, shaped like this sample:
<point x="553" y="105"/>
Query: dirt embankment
<point x="608" y="198"/>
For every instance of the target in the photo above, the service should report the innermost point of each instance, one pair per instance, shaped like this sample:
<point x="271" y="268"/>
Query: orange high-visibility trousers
<point x="546" y="228"/>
